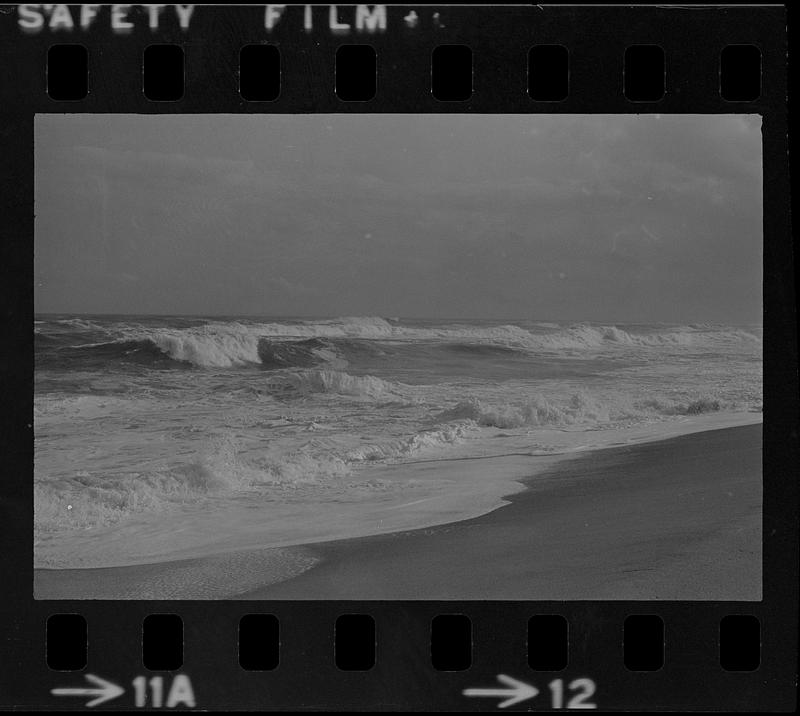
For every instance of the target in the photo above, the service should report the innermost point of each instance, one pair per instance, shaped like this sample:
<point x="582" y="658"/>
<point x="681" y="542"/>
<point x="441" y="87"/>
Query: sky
<point x="622" y="218"/>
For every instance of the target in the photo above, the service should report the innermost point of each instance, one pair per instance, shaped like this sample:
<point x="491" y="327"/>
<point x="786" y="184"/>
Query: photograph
<point x="398" y="356"/>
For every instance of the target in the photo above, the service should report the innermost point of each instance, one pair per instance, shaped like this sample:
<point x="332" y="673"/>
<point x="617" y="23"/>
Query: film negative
<point x="397" y="358"/>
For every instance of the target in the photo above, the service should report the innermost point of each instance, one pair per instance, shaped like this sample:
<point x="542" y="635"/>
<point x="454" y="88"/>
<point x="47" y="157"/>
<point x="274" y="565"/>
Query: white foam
<point x="87" y="500"/>
<point x="90" y="500"/>
<point x="423" y="441"/>
<point x="336" y="382"/>
<point x="209" y="347"/>
<point x="228" y="344"/>
<point x="535" y="411"/>
<point x="580" y="408"/>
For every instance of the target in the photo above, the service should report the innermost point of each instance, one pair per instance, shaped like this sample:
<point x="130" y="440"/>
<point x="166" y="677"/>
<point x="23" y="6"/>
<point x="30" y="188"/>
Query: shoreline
<point x="471" y="478"/>
<point x="573" y="536"/>
<point x="321" y="569"/>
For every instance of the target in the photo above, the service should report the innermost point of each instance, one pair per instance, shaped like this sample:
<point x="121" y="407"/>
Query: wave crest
<point x="333" y="342"/>
<point x="537" y="411"/>
<point x="217" y="349"/>
<point x="86" y="501"/>
<point x="578" y="409"/>
<point x="336" y="382"/>
<point x="436" y="437"/>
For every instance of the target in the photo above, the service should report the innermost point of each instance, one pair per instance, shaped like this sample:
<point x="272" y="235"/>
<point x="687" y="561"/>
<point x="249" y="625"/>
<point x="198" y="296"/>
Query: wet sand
<point x="674" y="519"/>
<point x="212" y="577"/>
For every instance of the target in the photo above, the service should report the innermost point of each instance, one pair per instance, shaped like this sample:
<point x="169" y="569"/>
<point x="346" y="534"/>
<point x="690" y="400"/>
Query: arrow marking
<point x="518" y="691"/>
<point x="105" y="691"/>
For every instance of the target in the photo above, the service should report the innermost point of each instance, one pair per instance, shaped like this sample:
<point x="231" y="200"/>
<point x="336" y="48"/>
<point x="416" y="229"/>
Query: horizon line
<point x="305" y="317"/>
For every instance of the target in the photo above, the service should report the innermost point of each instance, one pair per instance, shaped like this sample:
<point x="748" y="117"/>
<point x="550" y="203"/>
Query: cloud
<point x="478" y="215"/>
<point x="157" y="166"/>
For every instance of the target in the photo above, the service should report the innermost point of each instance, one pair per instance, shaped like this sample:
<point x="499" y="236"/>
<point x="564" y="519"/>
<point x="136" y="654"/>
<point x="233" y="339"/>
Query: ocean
<point x="162" y="436"/>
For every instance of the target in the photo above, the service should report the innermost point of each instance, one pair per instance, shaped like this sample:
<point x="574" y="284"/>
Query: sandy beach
<point x="674" y="519"/>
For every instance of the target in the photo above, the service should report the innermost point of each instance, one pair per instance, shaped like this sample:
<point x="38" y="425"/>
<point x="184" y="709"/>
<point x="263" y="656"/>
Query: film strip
<point x="422" y="445"/>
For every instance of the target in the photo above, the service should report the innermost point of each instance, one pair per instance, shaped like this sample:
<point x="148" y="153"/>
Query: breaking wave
<point x="90" y="500"/>
<point x="331" y="342"/>
<point x="536" y="411"/>
<point x="297" y="354"/>
<point x="336" y="382"/>
<point x="548" y="336"/>
<point x="212" y="350"/>
<point x="437" y="437"/>
<point x="579" y="409"/>
<point x="585" y="336"/>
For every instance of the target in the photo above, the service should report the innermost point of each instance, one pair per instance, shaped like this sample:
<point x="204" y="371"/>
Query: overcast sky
<point x="597" y="217"/>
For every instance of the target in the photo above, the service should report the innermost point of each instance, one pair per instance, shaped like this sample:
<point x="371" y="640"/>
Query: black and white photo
<point x="398" y="356"/>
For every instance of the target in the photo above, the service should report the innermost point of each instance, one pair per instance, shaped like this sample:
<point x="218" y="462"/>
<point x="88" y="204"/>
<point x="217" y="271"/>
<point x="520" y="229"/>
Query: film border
<point x="402" y="678"/>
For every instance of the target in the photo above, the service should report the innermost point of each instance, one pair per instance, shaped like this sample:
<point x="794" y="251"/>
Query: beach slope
<point x="675" y="519"/>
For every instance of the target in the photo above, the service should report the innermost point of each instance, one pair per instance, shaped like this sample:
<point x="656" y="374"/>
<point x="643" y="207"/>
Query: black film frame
<point x="403" y="678"/>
